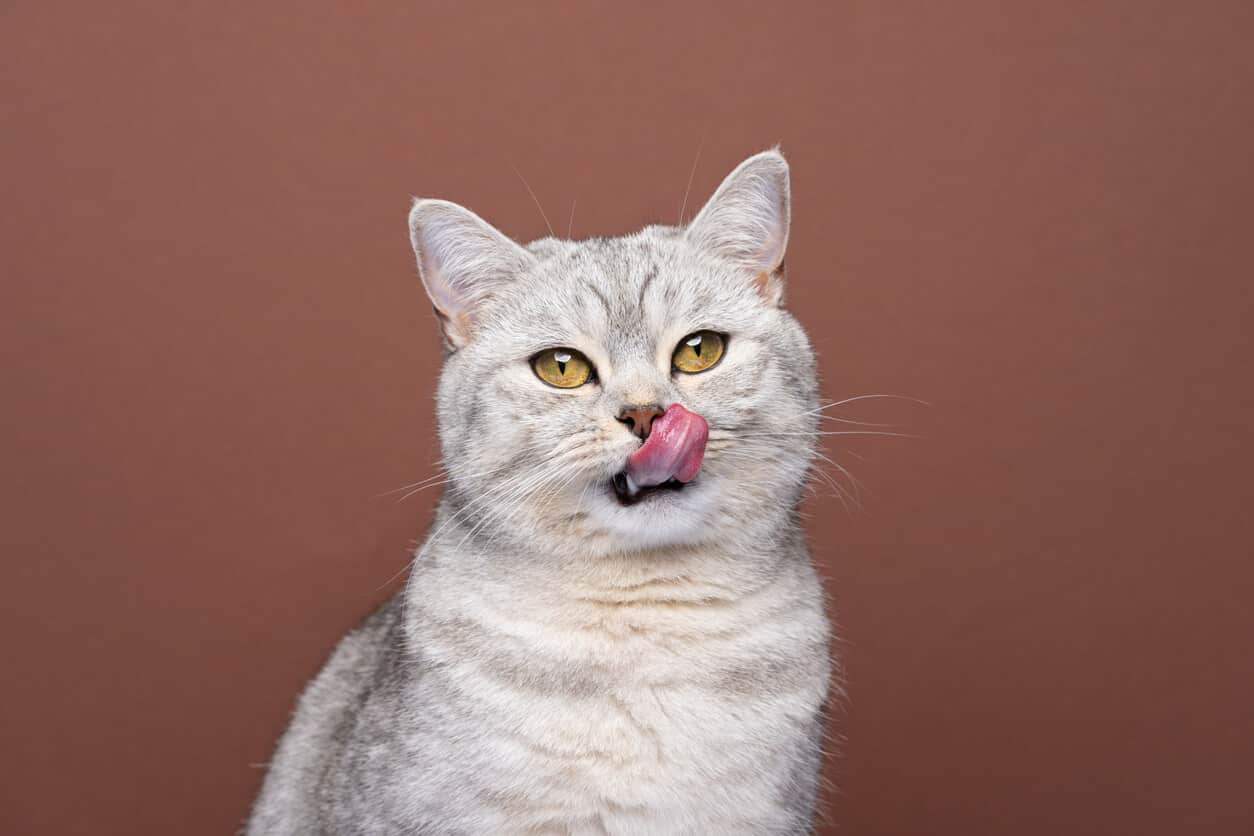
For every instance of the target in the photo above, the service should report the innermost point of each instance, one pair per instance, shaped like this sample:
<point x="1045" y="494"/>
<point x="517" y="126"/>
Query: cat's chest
<point x="627" y="718"/>
<point x="645" y="739"/>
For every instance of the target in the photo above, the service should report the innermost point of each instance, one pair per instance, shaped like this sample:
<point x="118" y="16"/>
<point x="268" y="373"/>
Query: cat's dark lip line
<point x="626" y="497"/>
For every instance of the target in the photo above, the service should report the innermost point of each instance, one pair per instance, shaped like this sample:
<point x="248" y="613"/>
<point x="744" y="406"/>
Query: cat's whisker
<point x="422" y="488"/>
<point x="845" y="432"/>
<point x="571" y="444"/>
<point x="691" y="174"/>
<point x="508" y="508"/>
<point x="534" y="199"/>
<point x="859" y="488"/>
<point x="417" y="484"/>
<point x="824" y="417"/>
<point x="751" y="450"/>
<point x="856" y="398"/>
<point x="437" y="479"/>
<point x="433" y="538"/>
<point x="439" y="482"/>
<point x="854" y="495"/>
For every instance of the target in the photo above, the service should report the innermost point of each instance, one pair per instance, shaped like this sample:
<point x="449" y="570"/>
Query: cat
<point x="613" y="626"/>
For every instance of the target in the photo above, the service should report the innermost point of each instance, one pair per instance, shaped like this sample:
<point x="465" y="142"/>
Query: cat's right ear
<point x="462" y="259"/>
<point x="746" y="222"/>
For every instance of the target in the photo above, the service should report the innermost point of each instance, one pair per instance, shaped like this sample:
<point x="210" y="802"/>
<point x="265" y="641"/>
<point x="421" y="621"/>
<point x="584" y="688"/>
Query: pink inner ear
<point x="673" y="450"/>
<point x="746" y="221"/>
<point x="462" y="260"/>
<point x="453" y="306"/>
<point x="769" y="286"/>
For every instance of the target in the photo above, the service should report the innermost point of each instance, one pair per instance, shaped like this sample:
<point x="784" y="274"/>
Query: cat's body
<point x="570" y="658"/>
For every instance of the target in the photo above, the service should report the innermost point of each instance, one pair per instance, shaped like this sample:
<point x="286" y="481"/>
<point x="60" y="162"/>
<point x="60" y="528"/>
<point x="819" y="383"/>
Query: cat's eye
<point x="698" y="352"/>
<point x="564" y="368"/>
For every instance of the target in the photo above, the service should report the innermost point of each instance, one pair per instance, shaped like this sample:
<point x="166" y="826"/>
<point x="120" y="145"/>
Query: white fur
<point x="561" y="662"/>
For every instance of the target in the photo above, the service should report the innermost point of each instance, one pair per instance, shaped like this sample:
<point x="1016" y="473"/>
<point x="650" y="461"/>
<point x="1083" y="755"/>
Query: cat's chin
<point x="658" y="516"/>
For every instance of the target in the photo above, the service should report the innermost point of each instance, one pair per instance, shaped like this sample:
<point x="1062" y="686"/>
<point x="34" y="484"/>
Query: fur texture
<point x="561" y="663"/>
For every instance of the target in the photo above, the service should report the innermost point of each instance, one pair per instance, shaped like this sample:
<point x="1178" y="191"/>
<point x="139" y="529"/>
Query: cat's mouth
<point x="629" y="493"/>
<point x="669" y="457"/>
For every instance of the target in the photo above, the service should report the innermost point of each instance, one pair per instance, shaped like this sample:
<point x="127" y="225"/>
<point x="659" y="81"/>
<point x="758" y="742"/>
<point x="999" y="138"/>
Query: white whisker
<point x="691" y="174"/>
<point x="534" y="199"/>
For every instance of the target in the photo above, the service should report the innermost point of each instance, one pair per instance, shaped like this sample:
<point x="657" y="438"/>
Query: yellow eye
<point x="564" y="368"/>
<point x="698" y="352"/>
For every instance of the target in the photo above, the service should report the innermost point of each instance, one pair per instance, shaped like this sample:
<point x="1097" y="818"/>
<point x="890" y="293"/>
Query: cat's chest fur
<point x="659" y="712"/>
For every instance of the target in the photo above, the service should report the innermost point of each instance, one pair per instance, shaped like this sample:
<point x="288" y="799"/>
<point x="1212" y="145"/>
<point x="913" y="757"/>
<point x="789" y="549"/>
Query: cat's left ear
<point x="462" y="260"/>
<point x="746" y="222"/>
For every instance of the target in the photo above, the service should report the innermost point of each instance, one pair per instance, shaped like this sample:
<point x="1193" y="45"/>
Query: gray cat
<point x="613" y="626"/>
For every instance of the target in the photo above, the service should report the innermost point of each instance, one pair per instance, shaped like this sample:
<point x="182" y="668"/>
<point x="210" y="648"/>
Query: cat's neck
<point x="688" y="593"/>
<point x="557" y="570"/>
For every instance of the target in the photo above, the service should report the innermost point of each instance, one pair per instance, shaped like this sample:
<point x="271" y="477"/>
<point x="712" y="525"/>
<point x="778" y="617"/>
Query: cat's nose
<point x="639" y="419"/>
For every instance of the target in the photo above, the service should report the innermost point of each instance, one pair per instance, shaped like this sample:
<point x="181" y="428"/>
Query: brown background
<point x="216" y="354"/>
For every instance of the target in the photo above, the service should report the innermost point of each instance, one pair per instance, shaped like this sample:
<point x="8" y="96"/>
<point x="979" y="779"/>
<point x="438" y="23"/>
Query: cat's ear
<point x="746" y="221"/>
<point x="462" y="259"/>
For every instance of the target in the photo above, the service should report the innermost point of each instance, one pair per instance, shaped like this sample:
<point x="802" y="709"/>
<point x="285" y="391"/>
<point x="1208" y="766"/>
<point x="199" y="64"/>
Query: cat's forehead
<point x="633" y="286"/>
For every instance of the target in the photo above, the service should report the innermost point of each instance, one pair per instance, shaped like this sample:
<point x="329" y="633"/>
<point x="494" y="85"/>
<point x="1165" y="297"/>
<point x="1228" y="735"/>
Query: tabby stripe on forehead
<point x="609" y="310"/>
<point x="648" y="280"/>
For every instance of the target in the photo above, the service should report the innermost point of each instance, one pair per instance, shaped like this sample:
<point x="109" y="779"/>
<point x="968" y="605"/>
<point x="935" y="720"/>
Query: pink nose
<point x="639" y="419"/>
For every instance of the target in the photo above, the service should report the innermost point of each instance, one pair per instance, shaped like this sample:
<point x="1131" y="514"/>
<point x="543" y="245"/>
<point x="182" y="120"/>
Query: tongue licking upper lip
<point x="673" y="450"/>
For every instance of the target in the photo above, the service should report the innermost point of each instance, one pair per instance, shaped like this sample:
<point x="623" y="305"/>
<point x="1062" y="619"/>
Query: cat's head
<point x="562" y="353"/>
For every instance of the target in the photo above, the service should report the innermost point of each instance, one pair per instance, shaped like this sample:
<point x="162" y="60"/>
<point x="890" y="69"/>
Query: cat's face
<point x="538" y="455"/>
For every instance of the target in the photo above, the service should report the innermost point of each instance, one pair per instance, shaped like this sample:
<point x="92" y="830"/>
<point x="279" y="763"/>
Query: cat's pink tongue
<point x="673" y="449"/>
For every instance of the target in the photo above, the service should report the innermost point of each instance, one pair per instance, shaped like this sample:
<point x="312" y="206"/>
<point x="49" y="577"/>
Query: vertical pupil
<point x="562" y="359"/>
<point x="695" y="344"/>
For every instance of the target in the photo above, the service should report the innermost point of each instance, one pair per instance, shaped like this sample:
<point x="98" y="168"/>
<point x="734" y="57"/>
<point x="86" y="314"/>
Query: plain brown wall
<point x="1037" y="217"/>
